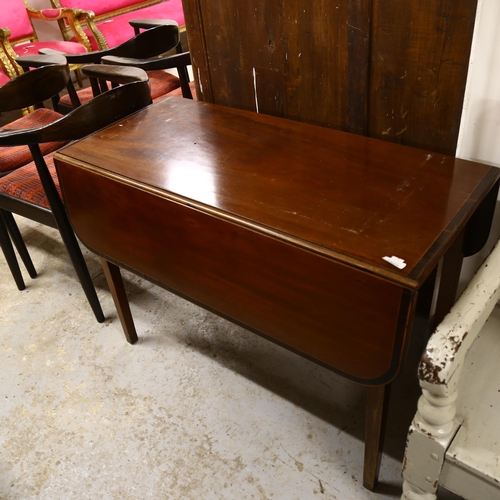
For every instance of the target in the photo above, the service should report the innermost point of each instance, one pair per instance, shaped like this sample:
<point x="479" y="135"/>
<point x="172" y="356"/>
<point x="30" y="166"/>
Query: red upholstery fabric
<point x="117" y="29"/>
<point x="24" y="49"/>
<point x="17" y="156"/>
<point x="13" y="15"/>
<point x="24" y="183"/>
<point x="3" y="77"/>
<point x="161" y="84"/>
<point x="178" y="92"/>
<point x="85" y="95"/>
<point x="51" y="13"/>
<point x="98" y="7"/>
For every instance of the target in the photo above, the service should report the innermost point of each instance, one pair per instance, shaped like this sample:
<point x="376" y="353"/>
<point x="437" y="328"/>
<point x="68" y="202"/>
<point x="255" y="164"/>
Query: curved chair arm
<point x="52" y="57"/>
<point x="132" y="95"/>
<point x="150" y="43"/>
<point x="178" y="61"/>
<point x="37" y="61"/>
<point x="147" y="24"/>
<point x="435" y="422"/>
<point x="32" y="88"/>
<point x="167" y="62"/>
<point x="115" y="74"/>
<point x="444" y="356"/>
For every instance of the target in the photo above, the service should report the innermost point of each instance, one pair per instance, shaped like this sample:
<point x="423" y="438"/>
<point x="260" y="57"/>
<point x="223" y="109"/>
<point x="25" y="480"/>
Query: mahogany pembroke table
<point x="281" y="227"/>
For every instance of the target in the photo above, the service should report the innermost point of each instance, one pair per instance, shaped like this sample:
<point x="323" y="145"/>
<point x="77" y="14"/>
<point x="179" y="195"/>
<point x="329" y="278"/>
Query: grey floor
<point x="197" y="409"/>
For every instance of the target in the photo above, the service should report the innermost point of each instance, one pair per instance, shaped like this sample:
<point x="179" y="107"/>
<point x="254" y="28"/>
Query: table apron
<point x="348" y="320"/>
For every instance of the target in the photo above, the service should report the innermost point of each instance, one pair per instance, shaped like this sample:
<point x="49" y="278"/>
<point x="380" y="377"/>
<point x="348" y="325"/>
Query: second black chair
<point x="32" y="190"/>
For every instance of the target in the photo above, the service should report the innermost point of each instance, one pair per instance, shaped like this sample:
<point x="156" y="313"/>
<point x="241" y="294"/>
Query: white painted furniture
<point x="454" y="439"/>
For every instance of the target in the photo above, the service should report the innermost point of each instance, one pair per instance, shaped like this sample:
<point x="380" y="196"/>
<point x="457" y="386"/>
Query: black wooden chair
<point x="31" y="188"/>
<point x="150" y="49"/>
<point x="161" y="62"/>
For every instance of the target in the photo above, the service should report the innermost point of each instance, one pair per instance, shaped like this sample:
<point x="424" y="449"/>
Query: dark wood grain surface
<point x="274" y="224"/>
<point x="343" y="196"/>
<point x="280" y="227"/>
<point x="391" y="69"/>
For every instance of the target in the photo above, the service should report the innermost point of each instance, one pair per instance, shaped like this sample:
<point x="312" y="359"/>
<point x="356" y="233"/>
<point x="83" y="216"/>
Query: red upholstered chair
<point x="110" y="25"/>
<point x="32" y="189"/>
<point x="18" y="37"/>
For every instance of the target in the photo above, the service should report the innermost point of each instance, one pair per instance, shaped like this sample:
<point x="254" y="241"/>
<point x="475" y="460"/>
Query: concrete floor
<point x="197" y="409"/>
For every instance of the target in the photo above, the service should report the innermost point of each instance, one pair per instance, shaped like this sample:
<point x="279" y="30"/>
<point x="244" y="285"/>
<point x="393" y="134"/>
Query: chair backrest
<point x="149" y="43"/>
<point x="34" y="87"/>
<point x="13" y="15"/>
<point x="178" y="61"/>
<point x="132" y="95"/>
<point x="100" y="7"/>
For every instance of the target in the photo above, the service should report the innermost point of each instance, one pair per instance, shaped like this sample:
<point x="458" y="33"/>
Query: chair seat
<point x="33" y="48"/>
<point x="17" y="156"/>
<point x="24" y="183"/>
<point x="161" y="84"/>
<point x="178" y="92"/>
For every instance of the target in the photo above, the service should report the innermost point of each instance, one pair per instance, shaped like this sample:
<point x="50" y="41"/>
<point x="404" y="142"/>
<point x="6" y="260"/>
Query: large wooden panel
<point x="389" y="69"/>
<point x="285" y="58"/>
<point x="420" y="54"/>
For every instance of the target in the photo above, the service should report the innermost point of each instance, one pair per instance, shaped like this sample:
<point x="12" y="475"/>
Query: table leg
<point x="450" y="277"/>
<point x="117" y="288"/>
<point x="377" y="402"/>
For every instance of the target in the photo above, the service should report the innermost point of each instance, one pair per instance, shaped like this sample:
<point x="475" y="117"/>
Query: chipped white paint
<point x="432" y="433"/>
<point x="255" y="90"/>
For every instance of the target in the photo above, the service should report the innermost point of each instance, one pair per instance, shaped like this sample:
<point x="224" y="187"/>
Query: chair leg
<point x="80" y="265"/>
<point x="18" y="242"/>
<point x="67" y="234"/>
<point x="377" y="403"/>
<point x="10" y="256"/>
<point x="115" y="283"/>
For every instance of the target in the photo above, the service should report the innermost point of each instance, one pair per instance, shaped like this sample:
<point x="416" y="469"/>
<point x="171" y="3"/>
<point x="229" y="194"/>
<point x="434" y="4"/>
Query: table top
<point x="344" y="196"/>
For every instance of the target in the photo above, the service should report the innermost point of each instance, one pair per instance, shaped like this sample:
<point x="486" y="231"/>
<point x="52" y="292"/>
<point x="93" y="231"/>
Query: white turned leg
<point x="430" y="434"/>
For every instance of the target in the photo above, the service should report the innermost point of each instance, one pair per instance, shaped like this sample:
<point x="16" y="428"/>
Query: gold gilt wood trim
<point x="89" y="19"/>
<point x="8" y="56"/>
